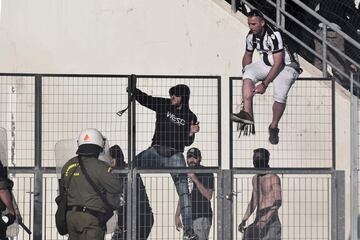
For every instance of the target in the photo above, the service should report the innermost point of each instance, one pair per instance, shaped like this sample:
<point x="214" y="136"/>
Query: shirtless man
<point x="266" y="199"/>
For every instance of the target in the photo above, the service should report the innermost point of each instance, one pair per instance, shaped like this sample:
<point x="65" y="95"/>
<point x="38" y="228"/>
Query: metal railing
<point x="282" y="15"/>
<point x="40" y="110"/>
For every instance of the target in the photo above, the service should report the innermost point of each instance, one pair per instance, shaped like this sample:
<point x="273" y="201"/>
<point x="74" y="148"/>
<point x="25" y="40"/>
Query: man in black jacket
<point x="6" y="202"/>
<point x="175" y="128"/>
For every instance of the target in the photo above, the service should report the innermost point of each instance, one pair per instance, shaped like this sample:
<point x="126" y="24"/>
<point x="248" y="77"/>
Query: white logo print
<point x="174" y="119"/>
<point x="190" y="184"/>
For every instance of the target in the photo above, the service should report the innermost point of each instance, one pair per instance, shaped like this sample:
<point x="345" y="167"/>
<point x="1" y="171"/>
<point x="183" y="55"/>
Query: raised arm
<point x="154" y="103"/>
<point x="194" y="127"/>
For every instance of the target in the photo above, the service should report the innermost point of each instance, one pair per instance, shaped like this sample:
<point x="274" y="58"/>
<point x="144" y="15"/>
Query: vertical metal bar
<point x="38" y="187"/>
<point x="340" y="204"/>
<point x="333" y="207"/>
<point x="233" y="6"/>
<point x="130" y="218"/>
<point x="235" y="203"/>
<point x="354" y="153"/>
<point x="134" y="204"/>
<point x="131" y="122"/>
<point x="333" y="122"/>
<point x="278" y="13"/>
<point x="329" y="208"/>
<point x="220" y="198"/>
<point x="282" y="17"/>
<point x="230" y="122"/>
<point x="225" y="216"/>
<point x="324" y="53"/>
<point x="219" y="121"/>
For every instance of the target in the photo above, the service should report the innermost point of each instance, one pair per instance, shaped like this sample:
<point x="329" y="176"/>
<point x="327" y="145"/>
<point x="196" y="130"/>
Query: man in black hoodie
<point x="175" y="128"/>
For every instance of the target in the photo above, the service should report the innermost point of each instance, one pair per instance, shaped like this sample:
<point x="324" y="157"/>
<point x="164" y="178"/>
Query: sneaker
<point x="242" y="116"/>
<point x="190" y="235"/>
<point x="273" y="135"/>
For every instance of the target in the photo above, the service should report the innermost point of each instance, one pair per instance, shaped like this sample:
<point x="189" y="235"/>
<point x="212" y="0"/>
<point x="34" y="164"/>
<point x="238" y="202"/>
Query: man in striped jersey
<point x="277" y="65"/>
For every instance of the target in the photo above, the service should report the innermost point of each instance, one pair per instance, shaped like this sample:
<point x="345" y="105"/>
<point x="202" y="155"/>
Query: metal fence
<point x="40" y="110"/>
<point x="307" y="200"/>
<point x="307" y="128"/>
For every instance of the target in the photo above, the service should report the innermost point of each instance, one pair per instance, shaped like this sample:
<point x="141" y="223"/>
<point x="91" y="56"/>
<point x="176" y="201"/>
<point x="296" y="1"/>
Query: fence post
<point x="233" y="6"/>
<point x="338" y="205"/>
<point x="225" y="204"/>
<point x="354" y="154"/>
<point x="38" y="186"/>
<point x="131" y="176"/>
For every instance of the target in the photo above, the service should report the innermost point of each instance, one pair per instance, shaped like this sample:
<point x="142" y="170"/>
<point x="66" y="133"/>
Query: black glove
<point x="128" y="90"/>
<point x="241" y="227"/>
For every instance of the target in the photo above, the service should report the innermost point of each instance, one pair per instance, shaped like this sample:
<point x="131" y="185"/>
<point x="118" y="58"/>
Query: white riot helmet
<point x="90" y="142"/>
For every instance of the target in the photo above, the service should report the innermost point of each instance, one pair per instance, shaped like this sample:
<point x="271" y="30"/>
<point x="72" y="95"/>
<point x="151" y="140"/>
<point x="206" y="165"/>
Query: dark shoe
<point x="273" y="135"/>
<point x="190" y="235"/>
<point x="242" y="116"/>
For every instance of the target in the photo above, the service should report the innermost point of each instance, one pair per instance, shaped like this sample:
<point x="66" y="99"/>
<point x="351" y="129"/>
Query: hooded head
<point x="90" y="142"/>
<point x="117" y="154"/>
<point x="261" y="158"/>
<point x="181" y="90"/>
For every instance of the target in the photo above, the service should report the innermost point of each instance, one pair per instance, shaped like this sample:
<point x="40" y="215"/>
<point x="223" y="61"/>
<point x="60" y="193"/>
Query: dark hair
<point x="263" y="162"/>
<point x="263" y="151"/>
<point x="116" y="153"/>
<point x="255" y="13"/>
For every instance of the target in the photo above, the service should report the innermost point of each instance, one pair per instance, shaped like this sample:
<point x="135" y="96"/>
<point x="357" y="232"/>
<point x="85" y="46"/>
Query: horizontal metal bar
<point x="301" y="79"/>
<point x="18" y="74"/>
<point x="284" y="171"/>
<point x="108" y="75"/>
<point x="170" y="170"/>
<point x="64" y="75"/>
<point x="87" y="75"/>
<point x="45" y="170"/>
<point x="177" y="76"/>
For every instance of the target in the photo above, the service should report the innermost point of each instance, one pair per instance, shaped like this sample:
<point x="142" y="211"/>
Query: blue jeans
<point x="202" y="227"/>
<point x="150" y="158"/>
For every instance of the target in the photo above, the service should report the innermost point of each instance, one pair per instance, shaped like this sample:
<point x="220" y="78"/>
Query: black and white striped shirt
<point x="269" y="43"/>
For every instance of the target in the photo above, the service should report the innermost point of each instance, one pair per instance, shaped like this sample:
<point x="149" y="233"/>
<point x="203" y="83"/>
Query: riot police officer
<point x="87" y="210"/>
<point x="6" y="203"/>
